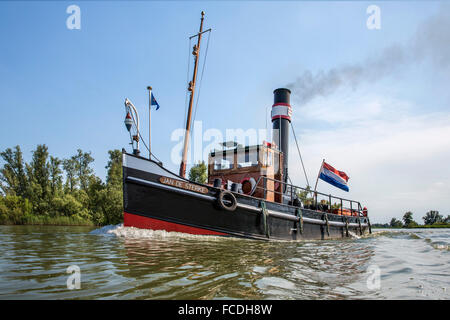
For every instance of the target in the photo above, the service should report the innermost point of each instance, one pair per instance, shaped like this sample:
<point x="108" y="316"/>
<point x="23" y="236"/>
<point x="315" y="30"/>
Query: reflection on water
<point x="128" y="263"/>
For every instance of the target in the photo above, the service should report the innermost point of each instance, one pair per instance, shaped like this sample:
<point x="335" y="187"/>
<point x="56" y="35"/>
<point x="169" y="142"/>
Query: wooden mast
<point x="191" y="88"/>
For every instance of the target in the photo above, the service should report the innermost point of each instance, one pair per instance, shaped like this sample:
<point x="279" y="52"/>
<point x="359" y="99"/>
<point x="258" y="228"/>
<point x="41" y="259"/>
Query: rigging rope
<point x="201" y="77"/>
<point x="146" y="147"/>
<point x="299" y="153"/>
<point x="187" y="81"/>
<point x="267" y="118"/>
<point x="142" y="139"/>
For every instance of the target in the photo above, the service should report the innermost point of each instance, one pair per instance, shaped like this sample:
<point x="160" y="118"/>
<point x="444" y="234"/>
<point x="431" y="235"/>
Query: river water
<point x="126" y="263"/>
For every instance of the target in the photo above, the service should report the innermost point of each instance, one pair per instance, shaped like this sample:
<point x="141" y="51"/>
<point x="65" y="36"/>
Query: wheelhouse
<point x="240" y="168"/>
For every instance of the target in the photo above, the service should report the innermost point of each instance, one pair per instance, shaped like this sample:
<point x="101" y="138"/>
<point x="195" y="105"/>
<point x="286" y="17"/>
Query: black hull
<point x="150" y="204"/>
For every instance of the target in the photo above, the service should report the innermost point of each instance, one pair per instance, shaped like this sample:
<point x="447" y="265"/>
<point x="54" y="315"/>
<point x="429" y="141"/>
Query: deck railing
<point x="291" y="191"/>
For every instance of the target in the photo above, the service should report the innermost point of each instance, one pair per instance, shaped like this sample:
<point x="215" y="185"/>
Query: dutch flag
<point x="335" y="177"/>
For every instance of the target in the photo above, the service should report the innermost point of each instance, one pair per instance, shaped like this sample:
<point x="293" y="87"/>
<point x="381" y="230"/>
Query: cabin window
<point x="247" y="158"/>
<point x="276" y="163"/>
<point x="267" y="157"/>
<point x="224" y="163"/>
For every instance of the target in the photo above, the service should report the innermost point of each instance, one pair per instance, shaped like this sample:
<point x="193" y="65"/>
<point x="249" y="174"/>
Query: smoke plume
<point x="431" y="41"/>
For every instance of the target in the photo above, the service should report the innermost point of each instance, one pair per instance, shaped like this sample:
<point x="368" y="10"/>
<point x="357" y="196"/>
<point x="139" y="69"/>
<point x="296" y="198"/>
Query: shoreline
<point x="31" y="220"/>
<point x="418" y="227"/>
<point x="52" y="224"/>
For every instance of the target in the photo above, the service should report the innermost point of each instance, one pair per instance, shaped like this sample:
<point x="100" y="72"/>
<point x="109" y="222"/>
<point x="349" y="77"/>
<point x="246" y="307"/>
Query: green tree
<point x="111" y="200"/>
<point x="114" y="168"/>
<point x="395" y="223"/>
<point x="432" y="217"/>
<point x="55" y="176"/>
<point x="96" y="197"/>
<point x="303" y="195"/>
<point x="38" y="173"/>
<point x="380" y="225"/>
<point x="68" y="206"/>
<point x="69" y="166"/>
<point x="82" y="167"/>
<point x="112" y="195"/>
<point x="199" y="173"/>
<point x="447" y="220"/>
<point x="33" y="193"/>
<point x="14" y="209"/>
<point x="13" y="178"/>
<point x="407" y="218"/>
<point x="40" y="168"/>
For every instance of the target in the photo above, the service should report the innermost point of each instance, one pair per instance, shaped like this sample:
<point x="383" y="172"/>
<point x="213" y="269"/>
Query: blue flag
<point x="154" y="102"/>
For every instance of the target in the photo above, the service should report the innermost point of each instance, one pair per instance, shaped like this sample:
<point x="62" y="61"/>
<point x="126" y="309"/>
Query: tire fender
<point x="224" y="198"/>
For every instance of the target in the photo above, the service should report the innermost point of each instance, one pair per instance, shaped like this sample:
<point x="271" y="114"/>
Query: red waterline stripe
<point x="133" y="220"/>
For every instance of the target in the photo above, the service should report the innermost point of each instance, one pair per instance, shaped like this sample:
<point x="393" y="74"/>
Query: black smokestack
<point x="281" y="120"/>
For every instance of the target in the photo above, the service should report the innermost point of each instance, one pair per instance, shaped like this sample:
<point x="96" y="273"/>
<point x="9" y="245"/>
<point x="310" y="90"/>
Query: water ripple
<point x="127" y="263"/>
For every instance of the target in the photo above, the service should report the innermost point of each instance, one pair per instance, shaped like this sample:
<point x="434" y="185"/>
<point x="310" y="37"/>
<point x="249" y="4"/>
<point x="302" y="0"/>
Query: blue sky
<point x="66" y="88"/>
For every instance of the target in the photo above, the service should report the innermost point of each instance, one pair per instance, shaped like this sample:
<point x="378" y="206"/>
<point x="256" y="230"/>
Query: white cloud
<point x="397" y="161"/>
<point x="344" y="108"/>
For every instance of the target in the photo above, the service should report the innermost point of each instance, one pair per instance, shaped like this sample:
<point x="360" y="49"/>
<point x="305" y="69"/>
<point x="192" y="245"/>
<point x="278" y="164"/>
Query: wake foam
<point x="353" y="235"/>
<point x="136" y="233"/>
<point x="106" y="230"/>
<point x="440" y="245"/>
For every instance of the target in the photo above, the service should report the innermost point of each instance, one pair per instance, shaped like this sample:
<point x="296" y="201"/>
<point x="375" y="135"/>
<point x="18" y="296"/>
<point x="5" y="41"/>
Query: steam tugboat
<point x="248" y="193"/>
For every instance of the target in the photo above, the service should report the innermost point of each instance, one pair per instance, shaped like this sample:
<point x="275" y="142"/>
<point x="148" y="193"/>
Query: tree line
<point x="49" y="190"/>
<point x="431" y="219"/>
